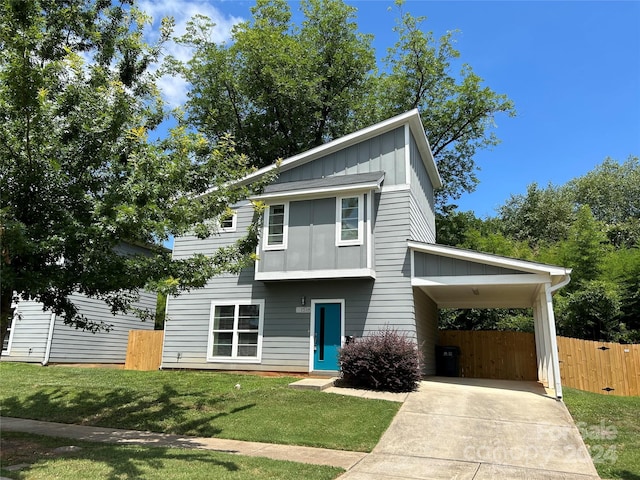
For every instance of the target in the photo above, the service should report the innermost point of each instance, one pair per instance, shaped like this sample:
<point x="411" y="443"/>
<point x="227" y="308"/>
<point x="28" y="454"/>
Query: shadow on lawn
<point x="120" y="462"/>
<point x="122" y="408"/>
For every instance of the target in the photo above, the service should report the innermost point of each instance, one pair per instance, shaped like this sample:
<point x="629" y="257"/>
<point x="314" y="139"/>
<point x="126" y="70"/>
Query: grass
<point x="100" y="461"/>
<point x="610" y="427"/>
<point x="195" y="403"/>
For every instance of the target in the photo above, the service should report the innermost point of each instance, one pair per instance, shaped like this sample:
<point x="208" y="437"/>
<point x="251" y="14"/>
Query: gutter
<point x="558" y="286"/>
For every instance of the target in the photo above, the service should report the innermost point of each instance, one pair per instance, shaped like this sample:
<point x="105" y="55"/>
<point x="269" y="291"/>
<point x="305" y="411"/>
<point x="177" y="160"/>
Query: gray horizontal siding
<point x="429" y="265"/>
<point x="385" y="153"/>
<point x="369" y="305"/>
<point x="70" y="345"/>
<point x="30" y="332"/>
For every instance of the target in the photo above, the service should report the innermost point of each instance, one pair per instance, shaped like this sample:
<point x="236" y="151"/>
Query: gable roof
<point x="412" y="118"/>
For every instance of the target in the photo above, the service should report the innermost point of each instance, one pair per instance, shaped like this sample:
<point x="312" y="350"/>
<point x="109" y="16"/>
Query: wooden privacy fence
<point x="494" y="354"/>
<point x="144" y="351"/>
<point x="600" y="367"/>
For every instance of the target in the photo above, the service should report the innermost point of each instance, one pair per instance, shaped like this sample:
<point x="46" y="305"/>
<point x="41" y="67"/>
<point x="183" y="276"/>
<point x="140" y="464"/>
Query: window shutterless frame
<point x="350" y="220"/>
<point x="235" y="331"/>
<point x="275" y="232"/>
<point x="228" y="224"/>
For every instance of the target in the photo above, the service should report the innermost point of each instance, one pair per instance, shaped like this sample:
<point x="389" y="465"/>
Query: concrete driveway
<point x="459" y="428"/>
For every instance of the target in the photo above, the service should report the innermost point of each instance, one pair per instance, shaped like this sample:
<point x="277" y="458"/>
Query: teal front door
<point x="327" y="336"/>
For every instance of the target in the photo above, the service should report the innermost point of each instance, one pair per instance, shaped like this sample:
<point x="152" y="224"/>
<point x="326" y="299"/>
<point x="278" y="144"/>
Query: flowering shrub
<point x="385" y="360"/>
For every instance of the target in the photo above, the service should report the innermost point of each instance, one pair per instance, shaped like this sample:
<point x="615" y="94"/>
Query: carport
<point x="457" y="278"/>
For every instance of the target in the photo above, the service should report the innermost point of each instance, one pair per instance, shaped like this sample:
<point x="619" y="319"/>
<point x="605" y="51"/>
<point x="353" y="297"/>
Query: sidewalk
<point x="316" y="456"/>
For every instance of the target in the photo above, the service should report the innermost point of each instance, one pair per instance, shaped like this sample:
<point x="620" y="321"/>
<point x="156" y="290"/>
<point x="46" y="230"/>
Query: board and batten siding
<point x="369" y="305"/>
<point x="423" y="221"/>
<point x="428" y="265"/>
<point x="70" y="345"/>
<point x="312" y="241"/>
<point x="384" y="153"/>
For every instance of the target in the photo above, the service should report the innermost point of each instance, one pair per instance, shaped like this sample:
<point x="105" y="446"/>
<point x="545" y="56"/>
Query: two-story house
<point x="347" y="249"/>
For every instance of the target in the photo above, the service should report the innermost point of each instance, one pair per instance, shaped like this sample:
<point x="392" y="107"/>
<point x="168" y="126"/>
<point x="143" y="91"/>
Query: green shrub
<point x="385" y="360"/>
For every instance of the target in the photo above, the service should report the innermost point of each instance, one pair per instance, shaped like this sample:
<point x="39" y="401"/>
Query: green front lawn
<point x="105" y="462"/>
<point x="610" y="427"/>
<point x="195" y="403"/>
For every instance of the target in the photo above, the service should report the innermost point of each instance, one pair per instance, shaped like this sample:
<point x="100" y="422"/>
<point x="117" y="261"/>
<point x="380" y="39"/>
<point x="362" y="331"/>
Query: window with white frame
<point x="227" y="222"/>
<point x="276" y="227"/>
<point x="349" y="220"/>
<point x="236" y="331"/>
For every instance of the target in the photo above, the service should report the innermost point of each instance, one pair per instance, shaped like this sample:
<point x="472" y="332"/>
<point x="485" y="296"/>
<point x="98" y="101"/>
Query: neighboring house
<point x="347" y="249"/>
<point x="40" y="336"/>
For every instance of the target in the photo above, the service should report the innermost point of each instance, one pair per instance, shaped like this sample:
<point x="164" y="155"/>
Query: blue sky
<point x="571" y="67"/>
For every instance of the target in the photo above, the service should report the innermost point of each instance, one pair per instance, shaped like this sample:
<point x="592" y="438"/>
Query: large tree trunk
<point x="6" y="295"/>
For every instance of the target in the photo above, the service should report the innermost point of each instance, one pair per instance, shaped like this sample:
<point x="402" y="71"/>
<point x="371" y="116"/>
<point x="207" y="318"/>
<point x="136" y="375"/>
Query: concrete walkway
<point x="452" y="428"/>
<point x="316" y="456"/>
<point x="471" y="429"/>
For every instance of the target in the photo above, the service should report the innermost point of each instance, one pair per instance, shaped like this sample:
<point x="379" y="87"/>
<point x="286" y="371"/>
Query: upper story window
<point x="228" y="223"/>
<point x="349" y="220"/>
<point x="276" y="227"/>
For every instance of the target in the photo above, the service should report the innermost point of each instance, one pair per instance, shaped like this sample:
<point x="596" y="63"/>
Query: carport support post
<point x="553" y="342"/>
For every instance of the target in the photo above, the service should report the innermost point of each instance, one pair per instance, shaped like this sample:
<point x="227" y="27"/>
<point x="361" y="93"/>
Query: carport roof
<point x="459" y="278"/>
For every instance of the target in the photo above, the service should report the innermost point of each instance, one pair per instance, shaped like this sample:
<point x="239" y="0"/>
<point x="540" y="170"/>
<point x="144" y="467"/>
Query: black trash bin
<point x="448" y="361"/>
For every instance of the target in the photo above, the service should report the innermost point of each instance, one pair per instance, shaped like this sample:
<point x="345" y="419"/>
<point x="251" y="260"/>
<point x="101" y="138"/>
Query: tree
<point x="280" y="88"/>
<point x="612" y="191"/>
<point x="541" y="216"/>
<point x="457" y="111"/>
<point x="78" y="173"/>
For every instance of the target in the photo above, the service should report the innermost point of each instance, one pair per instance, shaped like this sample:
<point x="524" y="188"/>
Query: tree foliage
<point x="282" y="88"/>
<point x="79" y="175"/>
<point x="590" y="225"/>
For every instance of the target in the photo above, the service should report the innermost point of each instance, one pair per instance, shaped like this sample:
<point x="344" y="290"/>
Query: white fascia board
<point x="315" y="274"/>
<point x="479" y="280"/>
<point x="415" y="124"/>
<point x="488" y="259"/>
<point x="320" y="192"/>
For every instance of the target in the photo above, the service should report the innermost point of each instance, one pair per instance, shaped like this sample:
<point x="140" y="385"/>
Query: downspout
<point x="558" y="286"/>
<point x="47" y="352"/>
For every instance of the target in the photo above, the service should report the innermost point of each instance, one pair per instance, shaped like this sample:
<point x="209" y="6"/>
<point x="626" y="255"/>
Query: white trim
<point x="314" y="274"/>
<point x="232" y="358"/>
<point x="407" y="154"/>
<point x="285" y="228"/>
<point x="312" y="326"/>
<point x="322" y="192"/>
<point x="401" y="187"/>
<point x="462" y="280"/>
<point x="369" y="227"/>
<point x="232" y="228"/>
<point x="357" y="241"/>
<point x="555" y="360"/>
<point x="11" y="330"/>
<point x="47" y="352"/>
<point x="488" y="259"/>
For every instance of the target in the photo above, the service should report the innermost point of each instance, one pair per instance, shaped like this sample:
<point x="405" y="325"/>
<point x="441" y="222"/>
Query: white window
<point x="227" y="223"/>
<point x="235" y="331"/>
<point x="276" y="227"/>
<point x="349" y="220"/>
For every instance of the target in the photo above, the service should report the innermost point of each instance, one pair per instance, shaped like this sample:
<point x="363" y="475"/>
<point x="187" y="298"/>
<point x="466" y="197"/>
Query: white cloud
<point x="174" y="89"/>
